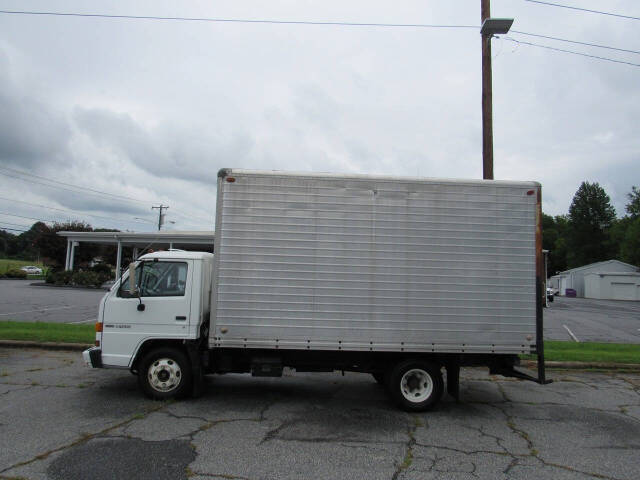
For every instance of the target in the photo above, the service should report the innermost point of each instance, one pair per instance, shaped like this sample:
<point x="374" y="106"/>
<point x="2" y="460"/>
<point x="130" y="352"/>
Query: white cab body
<point x="177" y="315"/>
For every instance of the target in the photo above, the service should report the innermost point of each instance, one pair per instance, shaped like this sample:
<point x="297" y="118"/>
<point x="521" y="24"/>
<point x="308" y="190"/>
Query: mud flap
<point x="453" y="379"/>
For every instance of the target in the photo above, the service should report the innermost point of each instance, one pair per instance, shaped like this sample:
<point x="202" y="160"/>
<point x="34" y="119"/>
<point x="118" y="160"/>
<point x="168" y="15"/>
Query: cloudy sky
<point x="150" y="110"/>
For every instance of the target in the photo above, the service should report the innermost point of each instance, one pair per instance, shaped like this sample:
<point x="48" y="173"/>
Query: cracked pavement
<point x="61" y="420"/>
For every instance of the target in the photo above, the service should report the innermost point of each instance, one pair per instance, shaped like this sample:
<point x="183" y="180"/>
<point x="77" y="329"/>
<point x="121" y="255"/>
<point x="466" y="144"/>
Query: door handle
<point x="181" y="317"/>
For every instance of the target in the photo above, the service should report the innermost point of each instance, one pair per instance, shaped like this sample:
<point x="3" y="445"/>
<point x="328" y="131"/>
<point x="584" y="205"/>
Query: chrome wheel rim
<point x="416" y="385"/>
<point x="164" y="375"/>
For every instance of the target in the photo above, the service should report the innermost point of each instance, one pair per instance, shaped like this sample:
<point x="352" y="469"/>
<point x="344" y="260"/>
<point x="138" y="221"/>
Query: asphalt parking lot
<point x="60" y="420"/>
<point x="20" y="300"/>
<point x="589" y="320"/>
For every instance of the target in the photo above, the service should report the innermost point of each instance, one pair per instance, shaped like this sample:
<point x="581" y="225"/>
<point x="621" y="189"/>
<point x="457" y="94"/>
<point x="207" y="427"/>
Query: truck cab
<point x="167" y="307"/>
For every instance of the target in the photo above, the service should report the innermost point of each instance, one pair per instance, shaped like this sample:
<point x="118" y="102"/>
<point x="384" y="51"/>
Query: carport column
<point x="119" y="259"/>
<point x="73" y="252"/>
<point x="66" y="260"/>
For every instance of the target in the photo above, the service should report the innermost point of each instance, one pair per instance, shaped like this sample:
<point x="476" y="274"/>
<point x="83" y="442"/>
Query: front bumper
<point x="93" y="357"/>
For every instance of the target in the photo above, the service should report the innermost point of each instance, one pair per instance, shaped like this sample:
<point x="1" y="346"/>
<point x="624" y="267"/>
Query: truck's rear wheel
<point x="416" y="385"/>
<point x="165" y="373"/>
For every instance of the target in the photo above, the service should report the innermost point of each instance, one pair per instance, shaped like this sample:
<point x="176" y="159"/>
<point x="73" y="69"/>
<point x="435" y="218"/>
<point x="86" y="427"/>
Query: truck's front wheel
<point x="165" y="373"/>
<point x="416" y="385"/>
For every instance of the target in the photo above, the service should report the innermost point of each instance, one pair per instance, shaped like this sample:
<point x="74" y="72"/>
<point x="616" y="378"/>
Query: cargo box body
<point x="365" y="263"/>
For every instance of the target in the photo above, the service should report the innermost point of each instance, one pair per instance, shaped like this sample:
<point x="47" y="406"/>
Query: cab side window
<point x="163" y="279"/>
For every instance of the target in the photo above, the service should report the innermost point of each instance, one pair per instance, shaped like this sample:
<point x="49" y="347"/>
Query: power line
<point x="72" y="211"/>
<point x="236" y="20"/>
<point x="53" y="186"/>
<point x="30" y="218"/>
<point x="13" y="229"/>
<point x="583" y="9"/>
<point x="15" y="224"/>
<point x="191" y="217"/>
<point x="27" y="174"/>
<point x="571" y="52"/>
<point x="576" y="42"/>
<point x="73" y="191"/>
<point x="349" y="24"/>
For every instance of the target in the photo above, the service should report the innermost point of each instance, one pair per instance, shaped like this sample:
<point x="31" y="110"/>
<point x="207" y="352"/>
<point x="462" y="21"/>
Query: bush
<point x="88" y="279"/>
<point x="59" y="278"/>
<point x="102" y="269"/>
<point x="15" y="273"/>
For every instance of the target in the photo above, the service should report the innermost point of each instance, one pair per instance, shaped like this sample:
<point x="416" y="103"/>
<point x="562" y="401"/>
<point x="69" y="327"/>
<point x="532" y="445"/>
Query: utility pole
<point x="487" y="97"/>
<point x="490" y="27"/>
<point x="160" y="214"/>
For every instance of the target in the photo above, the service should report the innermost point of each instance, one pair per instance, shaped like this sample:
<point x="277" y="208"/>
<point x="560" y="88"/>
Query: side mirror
<point x="132" y="280"/>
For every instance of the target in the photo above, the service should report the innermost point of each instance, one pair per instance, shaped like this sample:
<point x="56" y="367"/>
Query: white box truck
<point x="401" y="278"/>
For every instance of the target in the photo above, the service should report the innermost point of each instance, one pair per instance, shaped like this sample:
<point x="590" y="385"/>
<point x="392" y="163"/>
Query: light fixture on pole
<point x="490" y="27"/>
<point x="496" y="26"/>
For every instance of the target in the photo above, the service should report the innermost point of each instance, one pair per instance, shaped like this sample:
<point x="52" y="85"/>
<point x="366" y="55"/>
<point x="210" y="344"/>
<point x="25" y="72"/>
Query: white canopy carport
<point x="144" y="240"/>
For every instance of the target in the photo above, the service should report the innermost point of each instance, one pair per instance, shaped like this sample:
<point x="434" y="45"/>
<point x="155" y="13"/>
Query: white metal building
<point x="575" y="278"/>
<point x="140" y="241"/>
<point x="612" y="286"/>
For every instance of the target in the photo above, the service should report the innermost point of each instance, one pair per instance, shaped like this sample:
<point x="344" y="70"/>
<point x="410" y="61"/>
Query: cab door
<point x="162" y="309"/>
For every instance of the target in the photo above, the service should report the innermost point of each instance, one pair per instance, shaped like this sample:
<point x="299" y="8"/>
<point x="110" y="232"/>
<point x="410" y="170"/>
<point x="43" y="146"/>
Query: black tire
<point x="165" y="373"/>
<point x="415" y="385"/>
<point x="550" y="297"/>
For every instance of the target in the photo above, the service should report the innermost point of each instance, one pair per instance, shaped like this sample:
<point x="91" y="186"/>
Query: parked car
<point x="32" y="270"/>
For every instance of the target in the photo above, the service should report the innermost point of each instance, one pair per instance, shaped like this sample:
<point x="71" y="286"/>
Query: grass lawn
<point x="6" y="264"/>
<point x="590" y="352"/>
<point x="47" y="332"/>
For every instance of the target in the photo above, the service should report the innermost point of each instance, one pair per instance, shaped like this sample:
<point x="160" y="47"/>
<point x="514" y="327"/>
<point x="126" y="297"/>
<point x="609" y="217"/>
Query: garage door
<point x="623" y="291"/>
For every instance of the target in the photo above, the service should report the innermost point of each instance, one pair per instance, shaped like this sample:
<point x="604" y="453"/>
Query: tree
<point x="54" y="247"/>
<point x="590" y="218"/>
<point x="554" y="231"/>
<point x="630" y="244"/>
<point x="633" y="207"/>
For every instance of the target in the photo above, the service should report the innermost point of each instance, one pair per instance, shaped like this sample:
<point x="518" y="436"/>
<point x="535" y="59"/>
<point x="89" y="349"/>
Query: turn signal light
<point x="98" y="326"/>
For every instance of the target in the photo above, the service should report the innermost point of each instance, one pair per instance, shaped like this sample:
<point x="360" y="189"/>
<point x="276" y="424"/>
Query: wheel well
<point x="152" y="344"/>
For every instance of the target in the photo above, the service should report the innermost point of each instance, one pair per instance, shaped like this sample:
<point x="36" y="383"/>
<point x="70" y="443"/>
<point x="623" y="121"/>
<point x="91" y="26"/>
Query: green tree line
<point x="591" y="232"/>
<point x="42" y="243"/>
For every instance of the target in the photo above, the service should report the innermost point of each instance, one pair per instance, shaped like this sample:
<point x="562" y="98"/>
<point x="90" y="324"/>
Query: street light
<point x="496" y="26"/>
<point x="490" y="27"/>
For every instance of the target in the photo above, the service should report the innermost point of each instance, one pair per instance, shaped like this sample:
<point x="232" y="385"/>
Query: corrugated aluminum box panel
<point x="333" y="262"/>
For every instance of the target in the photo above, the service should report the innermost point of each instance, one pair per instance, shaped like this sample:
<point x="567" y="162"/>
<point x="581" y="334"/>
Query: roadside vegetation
<point x="591" y="231"/>
<point x="10" y="268"/>
<point x="92" y="277"/>
<point x="47" y="332"/>
<point x="591" y="352"/>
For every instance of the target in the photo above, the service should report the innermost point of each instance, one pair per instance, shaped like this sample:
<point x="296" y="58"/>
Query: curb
<point x="43" y="345"/>
<point x="586" y="366"/>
